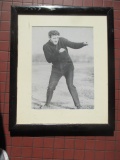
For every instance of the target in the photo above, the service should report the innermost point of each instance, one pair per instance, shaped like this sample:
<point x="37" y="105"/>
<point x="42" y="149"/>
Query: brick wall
<point x="58" y="148"/>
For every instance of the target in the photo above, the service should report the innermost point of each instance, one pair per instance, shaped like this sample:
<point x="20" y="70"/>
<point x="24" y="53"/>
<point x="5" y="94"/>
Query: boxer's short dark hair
<point x="53" y="33"/>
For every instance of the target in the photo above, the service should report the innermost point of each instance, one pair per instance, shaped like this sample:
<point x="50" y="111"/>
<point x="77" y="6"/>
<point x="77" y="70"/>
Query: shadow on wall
<point x="3" y="153"/>
<point x="2" y="134"/>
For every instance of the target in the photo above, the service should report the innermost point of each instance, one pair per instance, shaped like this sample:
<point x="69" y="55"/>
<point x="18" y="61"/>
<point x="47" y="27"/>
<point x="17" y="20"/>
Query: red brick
<point x="88" y="3"/>
<point x="117" y="84"/>
<point x="26" y="152"/>
<point x="4" y="46"/>
<point x="98" y="3"/>
<point x="58" y="153"/>
<point x="79" y="155"/>
<point x="89" y="155"/>
<point x="4" y="56"/>
<point x="27" y="1"/>
<point x="48" y="142"/>
<point x="8" y="140"/>
<point x="110" y="145"/>
<point x="78" y="2"/>
<point x="69" y="3"/>
<point x="100" y="145"/>
<point x="4" y="36"/>
<point x="117" y="104"/>
<point x="17" y="141"/>
<point x="5" y="119"/>
<point x="27" y="142"/>
<point x="80" y="144"/>
<point x="34" y="159"/>
<point x="9" y="0"/>
<point x="108" y="4"/>
<point x="59" y="143"/>
<point x="117" y="145"/>
<point x="0" y="4"/>
<point x="5" y="16"/>
<point x="16" y="0"/>
<point x="68" y="154"/>
<point x="47" y="153"/>
<point x="4" y="66"/>
<point x="69" y="143"/>
<point x="34" y="4"/>
<point x="116" y="14"/>
<point x="4" y="88"/>
<point x="118" y="115"/>
<point x="90" y="144"/>
<point x="16" y="158"/>
<point x="34" y="1"/>
<point x="37" y="153"/>
<point x="117" y="43"/>
<point x="117" y="63"/>
<point x="79" y="138"/>
<point x="117" y="155"/>
<point x="6" y="6"/>
<point x="57" y="2"/>
<point x="91" y="138"/>
<point x="118" y="135"/>
<point x="27" y="4"/>
<point x="4" y="107"/>
<point x="40" y="1"/>
<point x="4" y="77"/>
<point x="117" y="24"/>
<point x="5" y="26"/>
<point x="117" y="74"/>
<point x="48" y="1"/>
<point x="38" y="142"/>
<point x="116" y="94"/>
<point x="99" y="155"/>
<point x="6" y="129"/>
<point x="68" y="137"/>
<point x="100" y="138"/>
<point x="116" y="5"/>
<point x="117" y="126"/>
<point x="17" y="3"/>
<point x="16" y="152"/>
<point x="117" y="53"/>
<point x="117" y="33"/>
<point x="109" y="155"/>
<point x="4" y="97"/>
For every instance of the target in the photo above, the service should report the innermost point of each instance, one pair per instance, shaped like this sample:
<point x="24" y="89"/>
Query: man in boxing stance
<point x="56" y="52"/>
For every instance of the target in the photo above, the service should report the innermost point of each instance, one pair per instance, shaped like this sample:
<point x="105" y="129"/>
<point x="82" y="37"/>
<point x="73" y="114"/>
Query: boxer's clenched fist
<point x="61" y="50"/>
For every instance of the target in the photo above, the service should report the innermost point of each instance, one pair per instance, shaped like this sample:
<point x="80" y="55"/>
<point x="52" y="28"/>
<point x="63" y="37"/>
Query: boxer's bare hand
<point x="61" y="50"/>
<point x="85" y="43"/>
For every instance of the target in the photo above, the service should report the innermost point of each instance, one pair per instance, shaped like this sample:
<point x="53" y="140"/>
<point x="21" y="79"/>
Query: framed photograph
<point x="62" y="71"/>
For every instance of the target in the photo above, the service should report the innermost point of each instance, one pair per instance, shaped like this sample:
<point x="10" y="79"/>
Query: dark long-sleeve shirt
<point x="60" y="61"/>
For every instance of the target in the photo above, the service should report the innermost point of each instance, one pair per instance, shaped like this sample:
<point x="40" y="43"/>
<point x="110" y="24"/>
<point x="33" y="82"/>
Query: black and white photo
<point x="60" y="55"/>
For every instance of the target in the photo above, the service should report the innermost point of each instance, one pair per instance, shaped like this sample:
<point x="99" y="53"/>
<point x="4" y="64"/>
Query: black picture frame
<point x="60" y="129"/>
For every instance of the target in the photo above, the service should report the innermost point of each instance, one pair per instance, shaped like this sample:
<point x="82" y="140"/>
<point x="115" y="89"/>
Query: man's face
<point x="54" y="39"/>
